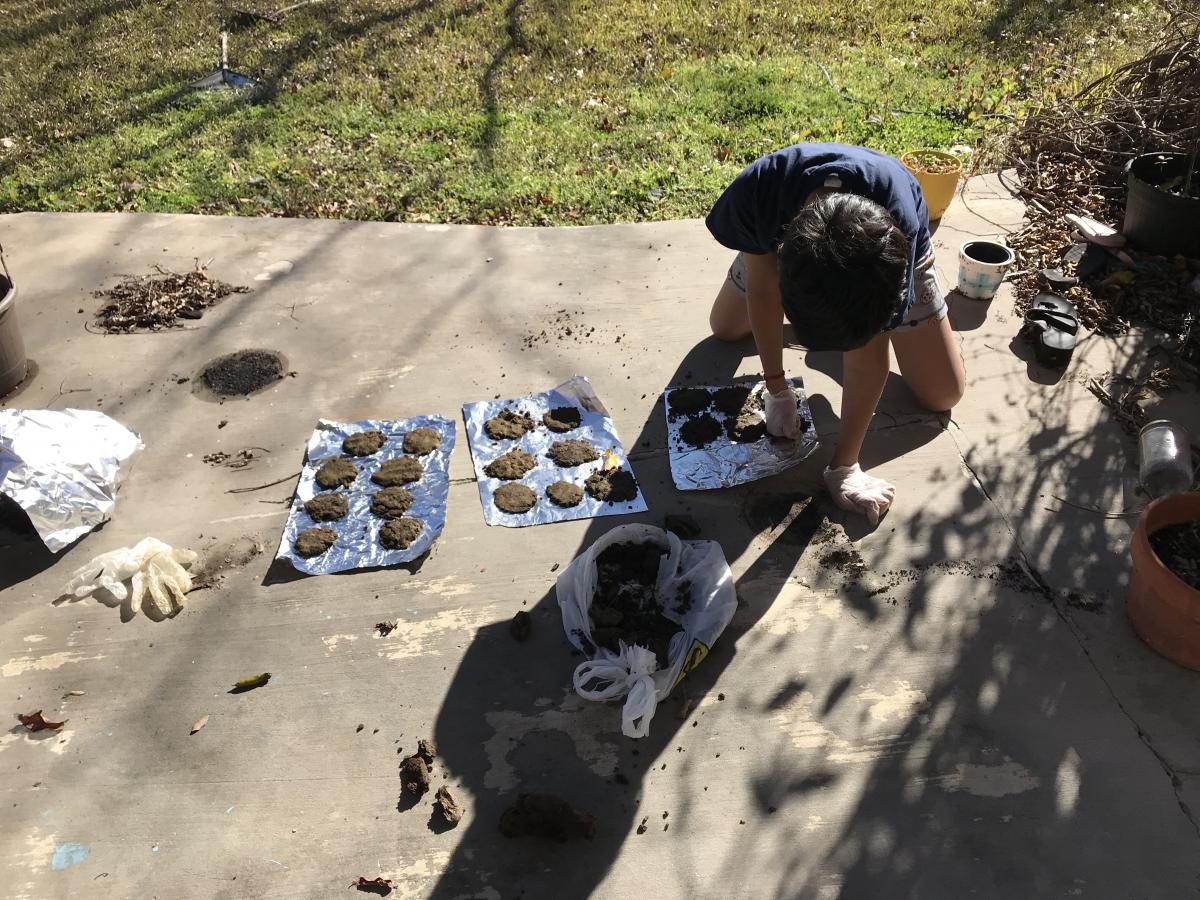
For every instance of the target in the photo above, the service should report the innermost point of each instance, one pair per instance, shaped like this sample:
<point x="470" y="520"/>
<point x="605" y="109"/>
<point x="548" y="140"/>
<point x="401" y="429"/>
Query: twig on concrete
<point x="1127" y="514"/>
<point x="247" y="490"/>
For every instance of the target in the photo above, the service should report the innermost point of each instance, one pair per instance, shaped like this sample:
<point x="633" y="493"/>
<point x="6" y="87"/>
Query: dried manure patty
<point x="336" y="473"/>
<point x="568" y="454"/>
<point x="565" y="494"/>
<point x="399" y="534"/>
<point x="514" y="498"/>
<point x="562" y="419"/>
<point x="328" y="507"/>
<point x="512" y="465"/>
<point x="508" y="425"/>
<point x="614" y="486"/>
<point x="401" y="470"/>
<point x="315" y="541"/>
<point x="391" y="503"/>
<point x="422" y="441"/>
<point x="363" y="443"/>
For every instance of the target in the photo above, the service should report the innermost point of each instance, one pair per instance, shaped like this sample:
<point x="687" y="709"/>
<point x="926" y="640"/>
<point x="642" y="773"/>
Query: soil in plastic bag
<point x="626" y="606"/>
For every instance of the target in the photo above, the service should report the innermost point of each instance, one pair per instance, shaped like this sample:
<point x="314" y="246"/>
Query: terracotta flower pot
<point x="1164" y="609"/>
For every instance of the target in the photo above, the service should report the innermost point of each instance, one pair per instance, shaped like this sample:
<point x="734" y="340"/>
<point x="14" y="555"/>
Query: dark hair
<point x="842" y="271"/>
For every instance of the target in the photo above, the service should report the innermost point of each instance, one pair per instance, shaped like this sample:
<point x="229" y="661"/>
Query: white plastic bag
<point x="633" y="672"/>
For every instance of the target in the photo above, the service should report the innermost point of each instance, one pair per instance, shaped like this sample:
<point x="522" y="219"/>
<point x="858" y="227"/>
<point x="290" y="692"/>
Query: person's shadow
<point x="511" y="723"/>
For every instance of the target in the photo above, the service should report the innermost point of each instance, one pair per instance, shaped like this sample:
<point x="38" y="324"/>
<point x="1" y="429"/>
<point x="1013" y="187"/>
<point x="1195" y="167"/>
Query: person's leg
<point x="729" y="318"/>
<point x="931" y="363"/>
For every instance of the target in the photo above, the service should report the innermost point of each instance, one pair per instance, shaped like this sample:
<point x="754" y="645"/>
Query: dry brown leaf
<point x="35" y="722"/>
<point x="378" y="885"/>
<point x="200" y="723"/>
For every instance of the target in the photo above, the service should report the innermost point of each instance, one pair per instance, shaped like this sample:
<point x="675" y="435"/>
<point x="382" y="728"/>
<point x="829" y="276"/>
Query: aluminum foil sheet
<point x="63" y="468"/>
<point x="595" y="426"/>
<point x="358" y="544"/>
<point x="724" y="463"/>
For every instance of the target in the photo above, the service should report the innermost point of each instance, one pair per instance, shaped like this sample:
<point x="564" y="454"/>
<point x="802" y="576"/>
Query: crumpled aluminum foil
<point x="63" y="468"/>
<point x="595" y="426"/>
<point x="358" y="544"/>
<point x="724" y="463"/>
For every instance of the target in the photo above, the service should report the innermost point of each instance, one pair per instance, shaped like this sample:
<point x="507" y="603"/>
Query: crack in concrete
<point x="1051" y="596"/>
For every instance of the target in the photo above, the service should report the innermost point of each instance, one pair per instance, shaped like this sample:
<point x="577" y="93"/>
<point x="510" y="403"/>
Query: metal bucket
<point x="13" y="364"/>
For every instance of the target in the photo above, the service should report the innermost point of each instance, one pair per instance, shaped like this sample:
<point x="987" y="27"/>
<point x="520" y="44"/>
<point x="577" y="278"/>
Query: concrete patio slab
<point x="928" y="724"/>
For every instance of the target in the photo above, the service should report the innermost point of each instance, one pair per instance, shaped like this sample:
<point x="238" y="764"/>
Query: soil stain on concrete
<point x="512" y="465"/>
<point x="398" y="471"/>
<point x="514" y="498"/>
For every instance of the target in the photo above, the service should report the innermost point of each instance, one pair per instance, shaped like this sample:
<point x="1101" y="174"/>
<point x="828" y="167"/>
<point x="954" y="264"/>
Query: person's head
<point x="843" y="265"/>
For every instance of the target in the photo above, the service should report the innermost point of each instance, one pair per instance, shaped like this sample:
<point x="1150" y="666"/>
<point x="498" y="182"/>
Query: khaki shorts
<point x="930" y="305"/>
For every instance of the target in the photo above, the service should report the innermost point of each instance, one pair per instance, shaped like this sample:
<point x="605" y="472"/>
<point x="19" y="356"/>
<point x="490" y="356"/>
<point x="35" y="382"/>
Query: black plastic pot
<point x="1159" y="221"/>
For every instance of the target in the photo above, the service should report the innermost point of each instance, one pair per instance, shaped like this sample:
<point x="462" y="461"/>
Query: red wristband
<point x="778" y="374"/>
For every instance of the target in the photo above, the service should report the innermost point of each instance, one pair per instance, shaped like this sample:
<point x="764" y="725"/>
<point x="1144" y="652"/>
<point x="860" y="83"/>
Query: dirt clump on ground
<point x="562" y="419"/>
<point x="160" y="301"/>
<point x="508" y="425"/>
<point x="521" y="625"/>
<point x="398" y="471"/>
<point x="422" y="441"/>
<point x="1178" y="547"/>
<point x="512" y="465"/>
<point x="336" y="473"/>
<point x="363" y="443"/>
<point x="414" y="775"/>
<point x="242" y="373"/>
<point x="565" y="494"/>
<point x="746" y="428"/>
<point x="730" y="400"/>
<point x="514" y="498"/>
<point x="327" y="507"/>
<point x="451" y="810"/>
<point x="613" y="485"/>
<point x="315" y="541"/>
<point x="399" y="534"/>
<point x="626" y="605"/>
<point x="689" y="401"/>
<point x="391" y="503"/>
<point x="700" y="431"/>
<point x="568" y="454"/>
<point x="546" y="816"/>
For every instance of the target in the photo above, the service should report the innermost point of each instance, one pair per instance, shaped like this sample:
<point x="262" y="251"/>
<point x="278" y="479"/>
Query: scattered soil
<point x="399" y="534"/>
<point x="422" y="441"/>
<point x="451" y="811"/>
<point x="626" y="606"/>
<point x="565" y="494"/>
<point x="315" y="541"/>
<point x="700" y="431"/>
<point x="414" y="775"/>
<point x="159" y="301"/>
<point x="1178" y="546"/>
<point x="514" y="498"/>
<point x="391" y="503"/>
<point x="546" y="816"/>
<point x="521" y="625"/>
<point x="398" y="471"/>
<point x="565" y="326"/>
<point x="689" y="401"/>
<point x="730" y="400"/>
<point x="512" y="465"/>
<point x="327" y="507"/>
<point x="508" y="426"/>
<point x="386" y="628"/>
<point x="614" y="485"/>
<point x="746" y="428"/>
<point x="363" y="443"/>
<point x="568" y="454"/>
<point x="562" y="419"/>
<point x="845" y="560"/>
<point x="336" y="473"/>
<point x="243" y="373"/>
<point x="239" y="459"/>
<point x="427" y="750"/>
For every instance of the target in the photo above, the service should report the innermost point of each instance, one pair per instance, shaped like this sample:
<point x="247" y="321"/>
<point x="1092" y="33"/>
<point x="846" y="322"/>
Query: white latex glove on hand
<point x="156" y="568"/>
<point x="783" y="420"/>
<point x="855" y="490"/>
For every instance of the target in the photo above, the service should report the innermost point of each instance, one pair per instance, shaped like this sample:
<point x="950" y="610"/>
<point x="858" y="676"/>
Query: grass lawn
<point x="506" y="111"/>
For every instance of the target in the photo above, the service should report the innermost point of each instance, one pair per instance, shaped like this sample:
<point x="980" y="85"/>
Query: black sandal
<point x="1052" y="324"/>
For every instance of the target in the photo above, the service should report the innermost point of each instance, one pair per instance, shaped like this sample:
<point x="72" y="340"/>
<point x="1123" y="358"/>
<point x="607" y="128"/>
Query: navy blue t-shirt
<point x="754" y="210"/>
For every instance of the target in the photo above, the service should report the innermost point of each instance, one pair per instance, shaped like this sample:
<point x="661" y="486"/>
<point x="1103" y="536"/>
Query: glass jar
<point x="1164" y="459"/>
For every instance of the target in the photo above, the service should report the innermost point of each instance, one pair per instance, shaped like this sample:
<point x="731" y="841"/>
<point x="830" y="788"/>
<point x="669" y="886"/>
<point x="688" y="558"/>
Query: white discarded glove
<point x="156" y="568"/>
<point x="855" y="490"/>
<point x="783" y="420"/>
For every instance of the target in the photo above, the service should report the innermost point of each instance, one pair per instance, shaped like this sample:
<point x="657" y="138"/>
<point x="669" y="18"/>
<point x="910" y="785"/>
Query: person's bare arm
<point x="766" y="314"/>
<point x="864" y="373"/>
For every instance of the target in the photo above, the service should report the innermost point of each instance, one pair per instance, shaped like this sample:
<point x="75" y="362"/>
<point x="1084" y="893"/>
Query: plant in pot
<point x="937" y="172"/>
<point x="1164" y="587"/>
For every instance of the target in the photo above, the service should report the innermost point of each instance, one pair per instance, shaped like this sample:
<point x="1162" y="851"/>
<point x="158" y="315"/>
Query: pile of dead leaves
<point x="155" y="302"/>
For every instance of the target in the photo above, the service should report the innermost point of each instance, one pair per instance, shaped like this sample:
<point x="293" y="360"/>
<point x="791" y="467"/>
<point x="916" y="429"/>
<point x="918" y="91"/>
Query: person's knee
<point x="726" y="331"/>
<point x="944" y="398"/>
